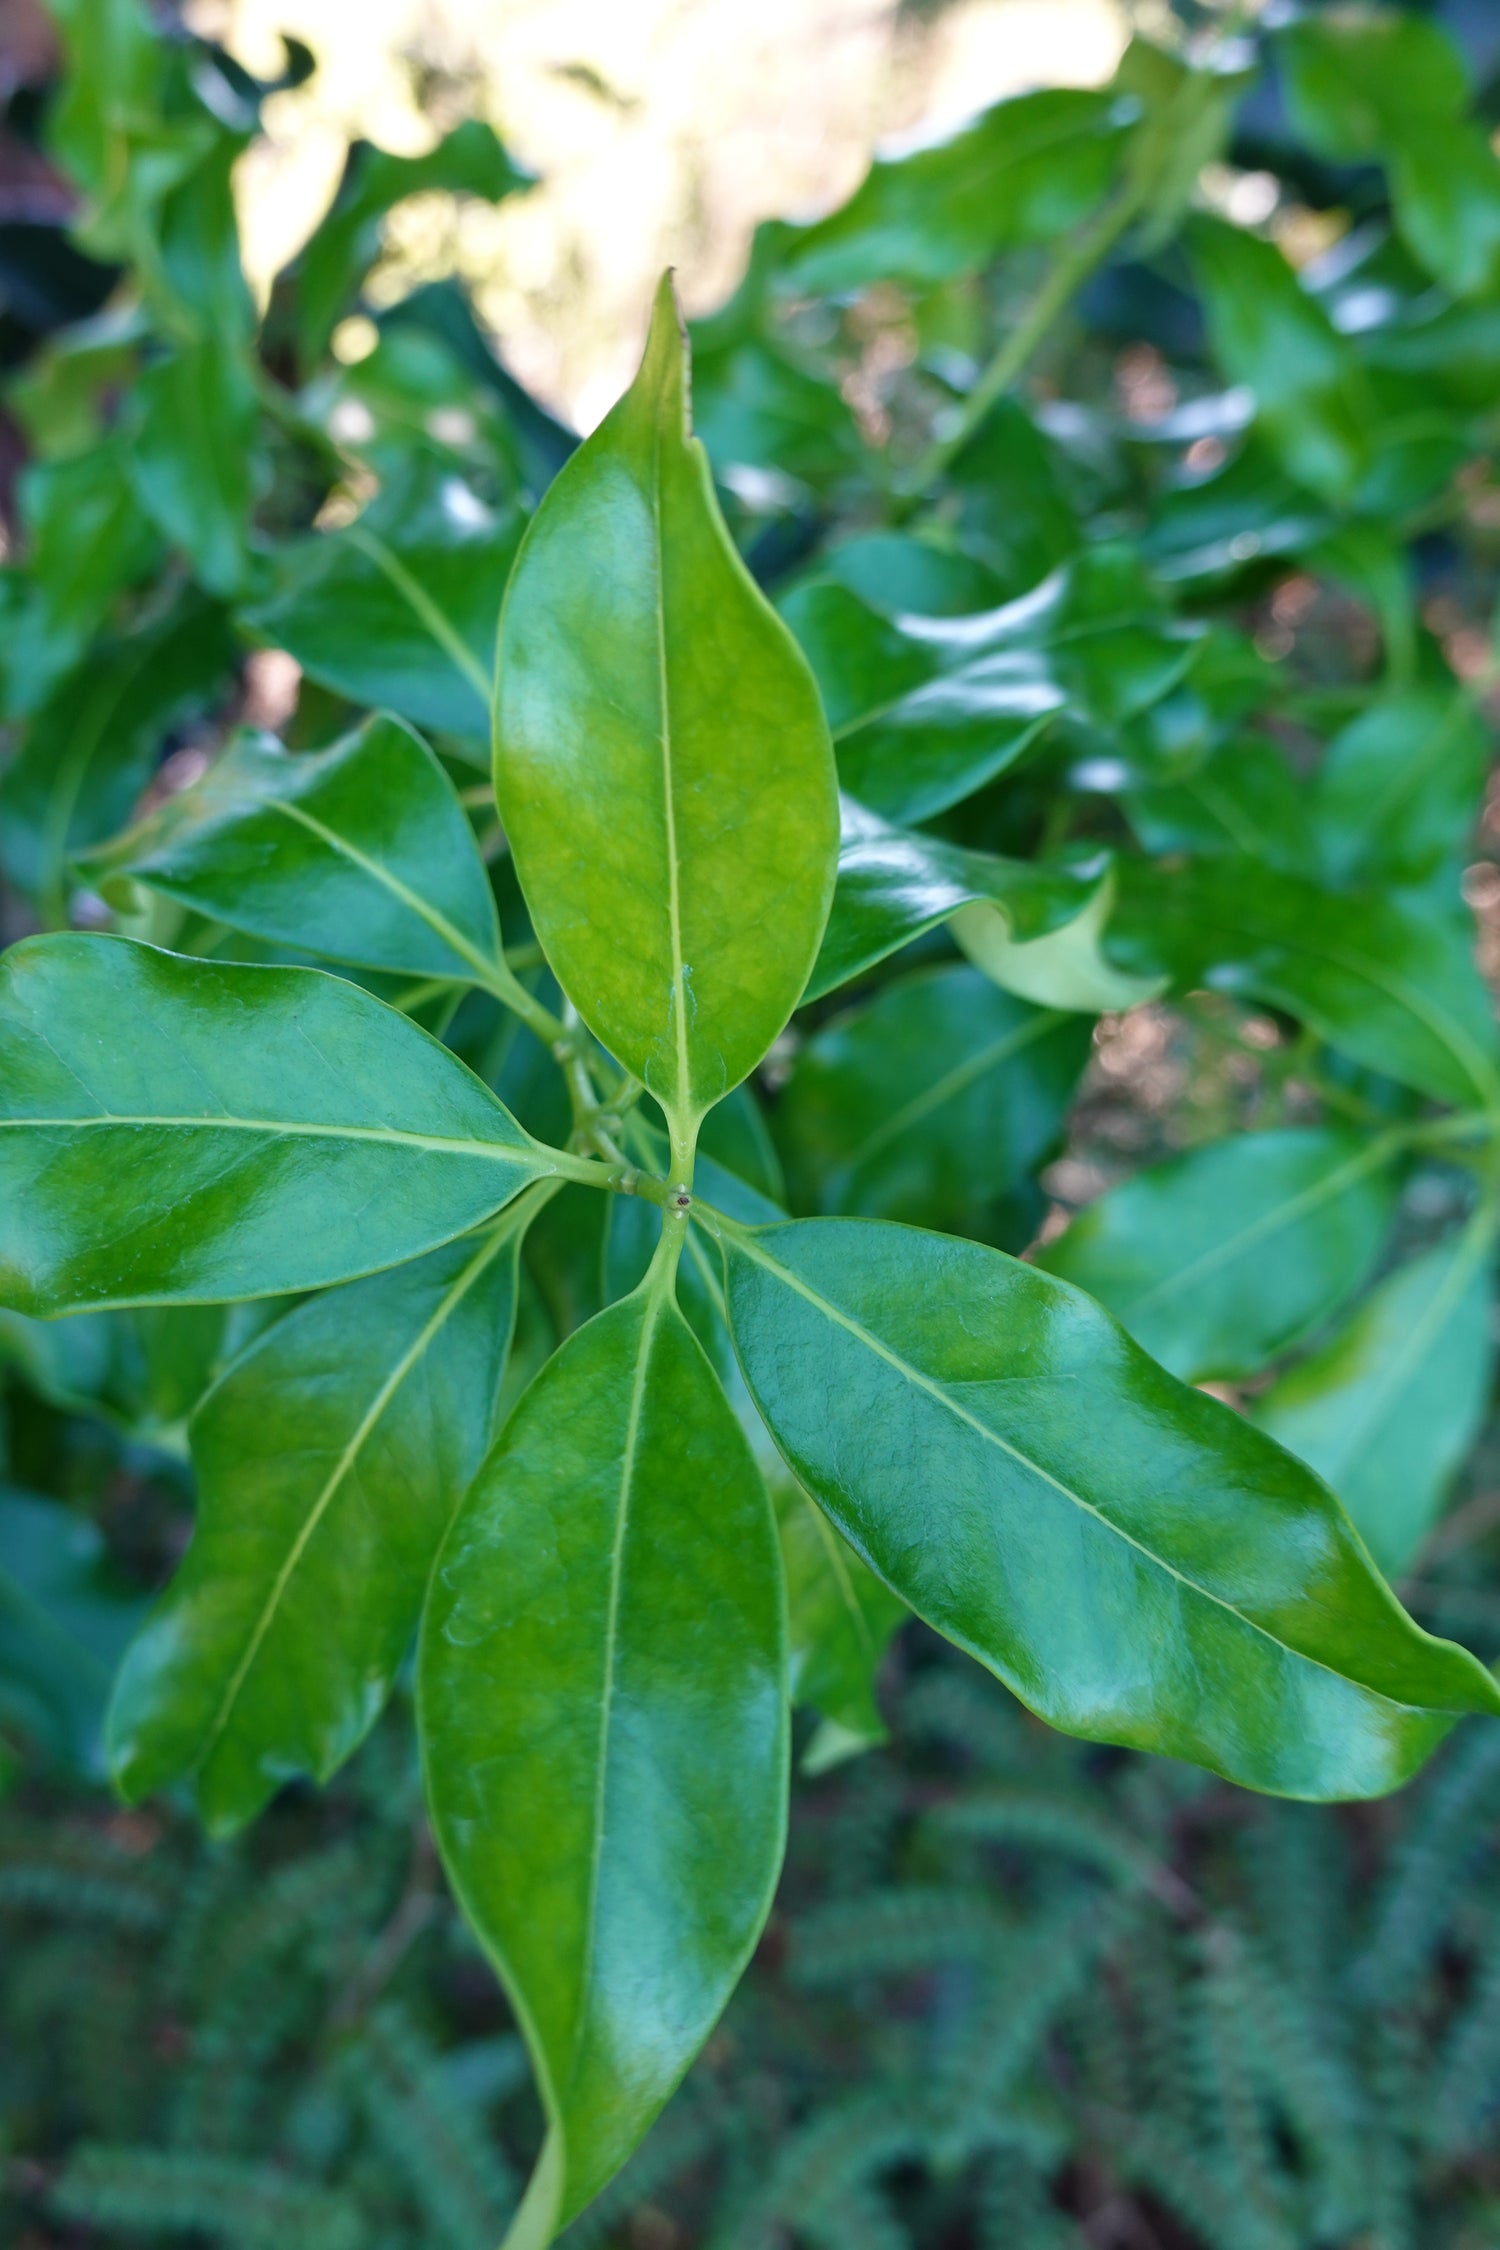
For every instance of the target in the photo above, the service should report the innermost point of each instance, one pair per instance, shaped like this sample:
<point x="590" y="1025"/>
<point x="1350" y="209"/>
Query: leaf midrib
<point x="913" y="1375"/>
<point x="503" y="1152"/>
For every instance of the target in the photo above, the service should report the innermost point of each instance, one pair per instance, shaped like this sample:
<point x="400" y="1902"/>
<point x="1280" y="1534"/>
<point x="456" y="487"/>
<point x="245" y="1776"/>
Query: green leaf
<point x="1027" y="170"/>
<point x="661" y="764"/>
<point x="840" y="1621"/>
<point x="1389" y="84"/>
<point x="362" y="852"/>
<point x="934" y="1102"/>
<point x="1398" y="790"/>
<point x="193" y="461"/>
<point x="175" y="1129"/>
<point x="1388" y="1408"/>
<point x="87" y="540"/>
<point x="1136" y="1562"/>
<point x="898" y="574"/>
<point x="329" y="1461"/>
<point x="64" y="1618"/>
<point x="603" y="1717"/>
<point x="1032" y="929"/>
<point x="1389" y="981"/>
<point x="1218" y="1260"/>
<point x="399" y="610"/>
<point x="1244" y="799"/>
<point x="144" y="1370"/>
<point x="1270" y="335"/>
<point x="93" y="746"/>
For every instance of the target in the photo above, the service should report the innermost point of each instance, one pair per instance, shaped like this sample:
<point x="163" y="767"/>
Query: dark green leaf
<point x="1388" y="1407"/>
<point x="602" y="1705"/>
<point x="93" y="746"/>
<point x="1032" y="929"/>
<point x="1218" y="1260"/>
<point x="840" y="1621"/>
<point x="1398" y="790"/>
<point x="399" y="610"/>
<point x="361" y="851"/>
<point x="1028" y="170"/>
<point x="88" y="540"/>
<point x="174" y="1129"/>
<point x="1390" y="981"/>
<point x="1128" y="1555"/>
<point x="329" y="1461"/>
<point x="934" y="1102"/>
<point x="193" y="458"/>
<point x="1243" y="799"/>
<point x="64" y="1618"/>
<point x="1270" y="335"/>
<point x="662" y="766"/>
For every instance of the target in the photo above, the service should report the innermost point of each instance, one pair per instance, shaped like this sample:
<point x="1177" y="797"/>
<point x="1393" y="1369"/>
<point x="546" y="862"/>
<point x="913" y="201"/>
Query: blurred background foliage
<point x="1018" y="1992"/>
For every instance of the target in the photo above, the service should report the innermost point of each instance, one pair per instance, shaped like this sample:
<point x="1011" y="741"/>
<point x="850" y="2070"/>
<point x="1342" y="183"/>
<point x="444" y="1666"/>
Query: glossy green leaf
<point x="903" y="575"/>
<point x="925" y="710"/>
<point x="1033" y="930"/>
<point x="399" y="610"/>
<point x="175" y="1129"/>
<point x="93" y="746"/>
<point x="1027" y="170"/>
<point x="329" y="1461"/>
<point x="1398" y="790"/>
<point x="934" y="1102"/>
<point x="144" y="1370"/>
<point x="661" y="762"/>
<point x="1135" y="1561"/>
<point x="602" y="1706"/>
<point x="362" y="852"/>
<point x="1387" y="1409"/>
<point x="1389" y="981"/>
<point x="64" y="1618"/>
<point x="1218" y="1260"/>
<point x="193" y="459"/>
<point x="840" y="1621"/>
<point x="1271" y="335"/>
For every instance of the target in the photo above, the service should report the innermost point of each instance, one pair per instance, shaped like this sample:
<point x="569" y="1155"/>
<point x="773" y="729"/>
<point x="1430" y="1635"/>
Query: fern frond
<point x="245" y="2206"/>
<point x="454" y="2172"/>
<point x="893" y="1933"/>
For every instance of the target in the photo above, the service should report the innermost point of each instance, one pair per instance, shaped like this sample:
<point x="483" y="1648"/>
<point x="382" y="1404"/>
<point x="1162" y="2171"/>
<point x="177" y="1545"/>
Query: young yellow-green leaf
<point x="1032" y="929"/>
<point x="174" y="1129"/>
<point x="329" y="1461"/>
<point x="840" y="1620"/>
<point x="361" y="851"/>
<point x="603" y="1716"/>
<point x="1135" y="1561"/>
<point x="1389" y="1406"/>
<point x="661" y="759"/>
<point x="1217" y="1260"/>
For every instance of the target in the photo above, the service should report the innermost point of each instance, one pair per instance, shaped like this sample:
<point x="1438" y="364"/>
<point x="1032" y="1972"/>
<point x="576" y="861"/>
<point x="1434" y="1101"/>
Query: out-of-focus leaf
<point x="193" y="459"/>
<point x="1027" y="170"/>
<point x="399" y="610"/>
<point x="91" y="749"/>
<point x="840" y="1620"/>
<point x="933" y="1103"/>
<point x="1389" y="981"/>
<point x="1388" y="1407"/>
<point x="1218" y="1260"/>
<point x="1033" y="930"/>
<point x="87" y="541"/>
<point x="1398" y="789"/>
<point x="1014" y="506"/>
<point x="1244" y="799"/>
<point x="64" y="1619"/>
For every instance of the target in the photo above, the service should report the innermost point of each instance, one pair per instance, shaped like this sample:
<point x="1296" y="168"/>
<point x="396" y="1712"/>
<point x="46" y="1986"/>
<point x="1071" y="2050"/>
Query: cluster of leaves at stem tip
<point x="629" y="1524"/>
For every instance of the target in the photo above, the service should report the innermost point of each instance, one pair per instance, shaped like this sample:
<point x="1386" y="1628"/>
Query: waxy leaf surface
<point x="176" y="1129"/>
<point x="1389" y="1406"/>
<point x="661" y="761"/>
<point x="1216" y="1261"/>
<point x="602" y="1706"/>
<point x="840" y="1619"/>
<point x="329" y="1460"/>
<point x="361" y="851"/>
<point x="1389" y="980"/>
<point x="1032" y="929"/>
<point x="1128" y="1555"/>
